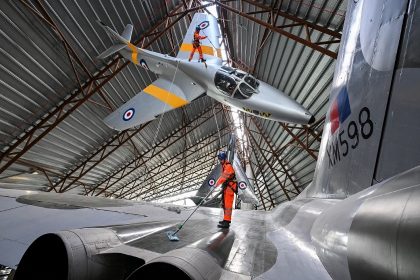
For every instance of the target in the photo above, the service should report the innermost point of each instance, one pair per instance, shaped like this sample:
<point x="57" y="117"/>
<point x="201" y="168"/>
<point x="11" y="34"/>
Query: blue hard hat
<point x="222" y="156"/>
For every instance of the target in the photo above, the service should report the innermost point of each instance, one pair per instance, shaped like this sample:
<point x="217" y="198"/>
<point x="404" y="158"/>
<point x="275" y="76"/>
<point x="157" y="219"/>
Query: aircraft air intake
<point x="74" y="255"/>
<point x="202" y="260"/>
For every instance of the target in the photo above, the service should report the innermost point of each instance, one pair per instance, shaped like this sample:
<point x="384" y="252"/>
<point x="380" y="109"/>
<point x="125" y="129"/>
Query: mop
<point x="172" y="234"/>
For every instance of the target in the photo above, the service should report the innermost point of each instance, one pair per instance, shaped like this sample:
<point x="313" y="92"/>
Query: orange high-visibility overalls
<point x="196" y="45"/>
<point x="227" y="179"/>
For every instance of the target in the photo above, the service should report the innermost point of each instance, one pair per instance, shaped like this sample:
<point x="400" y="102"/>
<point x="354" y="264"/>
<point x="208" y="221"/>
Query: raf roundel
<point x="204" y="24"/>
<point x="211" y="182"/>
<point x="242" y="185"/>
<point x="144" y="64"/>
<point x="128" y="114"/>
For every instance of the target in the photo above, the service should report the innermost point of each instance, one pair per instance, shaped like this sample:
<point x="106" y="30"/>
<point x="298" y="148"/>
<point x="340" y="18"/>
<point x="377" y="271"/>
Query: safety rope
<point x="217" y="124"/>
<point x="164" y="104"/>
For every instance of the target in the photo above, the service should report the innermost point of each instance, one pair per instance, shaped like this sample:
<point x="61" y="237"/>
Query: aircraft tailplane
<point x="120" y="41"/>
<point x="110" y="51"/>
<point x="128" y="31"/>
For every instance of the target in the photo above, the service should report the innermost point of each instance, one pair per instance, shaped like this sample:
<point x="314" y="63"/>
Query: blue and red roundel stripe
<point x="340" y="109"/>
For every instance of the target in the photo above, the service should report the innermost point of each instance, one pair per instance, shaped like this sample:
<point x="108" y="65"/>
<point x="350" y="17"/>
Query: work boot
<point x="221" y="222"/>
<point x="224" y="224"/>
<point x="203" y="60"/>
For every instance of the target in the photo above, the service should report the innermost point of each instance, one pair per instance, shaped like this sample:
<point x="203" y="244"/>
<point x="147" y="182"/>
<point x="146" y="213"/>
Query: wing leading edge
<point x="159" y="97"/>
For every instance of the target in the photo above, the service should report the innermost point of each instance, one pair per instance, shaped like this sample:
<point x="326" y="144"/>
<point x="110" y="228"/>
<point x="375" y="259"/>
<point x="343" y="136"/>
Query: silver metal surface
<point x="367" y="234"/>
<point x="346" y="162"/>
<point x="404" y="98"/>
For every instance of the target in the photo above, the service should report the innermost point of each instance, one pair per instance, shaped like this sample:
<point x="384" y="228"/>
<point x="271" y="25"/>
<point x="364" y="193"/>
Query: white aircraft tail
<point x="245" y="188"/>
<point x="367" y="97"/>
<point x="210" y="46"/>
<point x="120" y="41"/>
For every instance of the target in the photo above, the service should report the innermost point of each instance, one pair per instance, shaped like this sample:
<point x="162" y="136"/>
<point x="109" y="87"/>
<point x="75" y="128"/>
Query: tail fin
<point x="245" y="188"/>
<point x="128" y="31"/>
<point x="210" y="46"/>
<point x="366" y="71"/>
<point x="121" y="41"/>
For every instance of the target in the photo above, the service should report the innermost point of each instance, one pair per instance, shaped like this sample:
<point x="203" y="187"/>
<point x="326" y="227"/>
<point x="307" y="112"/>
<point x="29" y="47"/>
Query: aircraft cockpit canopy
<point x="235" y="83"/>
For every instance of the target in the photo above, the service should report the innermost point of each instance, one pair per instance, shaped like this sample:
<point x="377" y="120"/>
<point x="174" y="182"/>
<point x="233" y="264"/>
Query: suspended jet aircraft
<point x="358" y="219"/>
<point x="181" y="81"/>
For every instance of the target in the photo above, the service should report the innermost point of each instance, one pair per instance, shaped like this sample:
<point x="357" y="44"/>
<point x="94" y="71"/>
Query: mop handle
<point x="209" y="39"/>
<point x="202" y="201"/>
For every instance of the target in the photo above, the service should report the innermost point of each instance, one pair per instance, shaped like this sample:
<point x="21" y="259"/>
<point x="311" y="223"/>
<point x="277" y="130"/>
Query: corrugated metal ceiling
<point x="36" y="76"/>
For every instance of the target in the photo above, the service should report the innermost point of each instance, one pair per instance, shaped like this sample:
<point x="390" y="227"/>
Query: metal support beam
<point x="294" y="136"/>
<point x="139" y="161"/>
<point x="195" y="170"/>
<point x="259" y="167"/>
<point x="258" y="187"/>
<point x="95" y="158"/>
<point x="169" y="172"/>
<point x="257" y="146"/>
<point x="263" y="177"/>
<point x="197" y="147"/>
<point x="43" y="126"/>
<point x="305" y="132"/>
<point x="273" y="152"/>
<point x="265" y="36"/>
<point x="305" y="41"/>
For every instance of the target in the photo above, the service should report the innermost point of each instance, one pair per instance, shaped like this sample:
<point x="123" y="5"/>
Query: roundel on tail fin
<point x="211" y="182"/>
<point x="204" y="24"/>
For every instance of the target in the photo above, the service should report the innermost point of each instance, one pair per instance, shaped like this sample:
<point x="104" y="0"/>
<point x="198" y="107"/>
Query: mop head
<point x="172" y="236"/>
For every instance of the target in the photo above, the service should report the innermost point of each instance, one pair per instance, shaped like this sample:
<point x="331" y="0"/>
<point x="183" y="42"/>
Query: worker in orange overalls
<point x="228" y="181"/>
<point x="196" y="44"/>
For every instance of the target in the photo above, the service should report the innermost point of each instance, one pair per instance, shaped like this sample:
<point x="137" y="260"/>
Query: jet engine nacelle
<point x="374" y="233"/>
<point x="86" y="254"/>
<point x="76" y="254"/>
<point x="202" y="260"/>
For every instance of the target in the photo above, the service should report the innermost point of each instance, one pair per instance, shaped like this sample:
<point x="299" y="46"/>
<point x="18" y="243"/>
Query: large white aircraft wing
<point x="161" y="96"/>
<point x="210" y="46"/>
<point x="26" y="215"/>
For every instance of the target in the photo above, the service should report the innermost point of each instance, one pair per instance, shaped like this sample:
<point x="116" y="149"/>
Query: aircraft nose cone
<point x="283" y="107"/>
<point x="311" y="120"/>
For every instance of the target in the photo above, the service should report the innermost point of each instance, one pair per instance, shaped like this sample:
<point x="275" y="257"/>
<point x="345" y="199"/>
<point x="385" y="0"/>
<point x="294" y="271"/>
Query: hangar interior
<point x="55" y="94"/>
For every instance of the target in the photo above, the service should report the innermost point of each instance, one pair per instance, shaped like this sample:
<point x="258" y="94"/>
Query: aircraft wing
<point x="161" y="96"/>
<point x="76" y="237"/>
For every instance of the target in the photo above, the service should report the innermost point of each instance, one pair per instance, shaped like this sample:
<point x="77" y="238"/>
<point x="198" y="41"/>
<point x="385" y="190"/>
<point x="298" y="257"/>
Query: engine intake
<point x="202" y="260"/>
<point x="75" y="255"/>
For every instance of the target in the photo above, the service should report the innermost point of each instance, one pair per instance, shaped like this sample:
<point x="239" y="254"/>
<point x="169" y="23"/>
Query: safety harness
<point x="196" y="40"/>
<point x="230" y="182"/>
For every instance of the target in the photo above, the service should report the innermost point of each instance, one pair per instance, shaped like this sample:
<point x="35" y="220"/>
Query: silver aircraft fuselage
<point x="268" y="102"/>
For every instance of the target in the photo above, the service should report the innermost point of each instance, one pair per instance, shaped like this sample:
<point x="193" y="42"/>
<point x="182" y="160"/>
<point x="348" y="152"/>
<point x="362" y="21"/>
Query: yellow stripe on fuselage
<point x="134" y="53"/>
<point x="206" y="50"/>
<point x="165" y="96"/>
